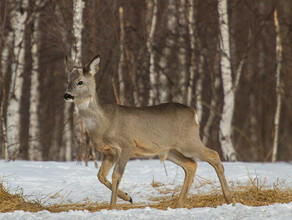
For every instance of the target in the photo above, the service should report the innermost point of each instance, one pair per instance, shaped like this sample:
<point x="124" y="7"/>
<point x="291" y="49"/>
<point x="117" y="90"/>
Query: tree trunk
<point x="164" y="62"/>
<point x="181" y="88"/>
<point x="192" y="23"/>
<point x="18" y="19"/>
<point x="34" y="151"/>
<point x="76" y="54"/>
<point x="199" y="88"/>
<point x="278" y="87"/>
<point x="153" y="92"/>
<point x="6" y="52"/>
<point x="229" y="97"/>
<point x="122" y="92"/>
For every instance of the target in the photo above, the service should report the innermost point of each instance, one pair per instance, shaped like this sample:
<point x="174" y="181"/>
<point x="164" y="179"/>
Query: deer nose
<point x="67" y="96"/>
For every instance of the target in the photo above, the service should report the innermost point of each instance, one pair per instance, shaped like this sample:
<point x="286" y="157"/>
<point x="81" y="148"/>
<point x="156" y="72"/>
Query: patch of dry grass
<point x="255" y="193"/>
<point x="10" y="202"/>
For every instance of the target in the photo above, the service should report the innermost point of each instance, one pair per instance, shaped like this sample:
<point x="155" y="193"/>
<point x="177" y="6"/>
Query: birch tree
<point x="76" y="54"/>
<point x="191" y="24"/>
<point x="122" y="92"/>
<point x="164" y="65"/>
<point x="153" y="92"/>
<point x="181" y="88"/>
<point x="229" y="96"/>
<point x="18" y="16"/>
<point x="34" y="151"/>
<point x="278" y="87"/>
<point x="7" y="44"/>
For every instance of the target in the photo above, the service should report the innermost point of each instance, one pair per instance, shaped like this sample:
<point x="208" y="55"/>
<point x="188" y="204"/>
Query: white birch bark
<point x="8" y="44"/>
<point x="34" y="150"/>
<point x="199" y="89"/>
<point x="278" y="87"/>
<point x="18" y="20"/>
<point x="76" y="54"/>
<point x="229" y="97"/>
<point x="122" y="95"/>
<point x="153" y="92"/>
<point x="191" y="24"/>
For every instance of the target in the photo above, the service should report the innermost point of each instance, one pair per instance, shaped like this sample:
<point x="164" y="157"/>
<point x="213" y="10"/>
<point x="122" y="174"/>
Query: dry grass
<point x="10" y="202"/>
<point x="255" y="193"/>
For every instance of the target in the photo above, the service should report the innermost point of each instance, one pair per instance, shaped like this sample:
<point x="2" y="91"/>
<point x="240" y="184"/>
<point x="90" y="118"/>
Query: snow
<point x="66" y="182"/>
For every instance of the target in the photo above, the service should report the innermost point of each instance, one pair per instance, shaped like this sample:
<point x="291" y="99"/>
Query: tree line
<point x="229" y="59"/>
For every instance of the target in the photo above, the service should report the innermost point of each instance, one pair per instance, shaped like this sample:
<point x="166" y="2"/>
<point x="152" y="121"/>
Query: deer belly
<point x="142" y="150"/>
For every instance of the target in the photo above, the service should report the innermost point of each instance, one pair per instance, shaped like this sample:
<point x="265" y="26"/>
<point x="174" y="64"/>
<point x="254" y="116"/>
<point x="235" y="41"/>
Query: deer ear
<point x="70" y="64"/>
<point x="93" y="66"/>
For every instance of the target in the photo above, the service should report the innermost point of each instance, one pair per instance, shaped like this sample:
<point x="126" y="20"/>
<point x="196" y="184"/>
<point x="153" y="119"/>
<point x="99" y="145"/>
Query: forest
<point x="229" y="59"/>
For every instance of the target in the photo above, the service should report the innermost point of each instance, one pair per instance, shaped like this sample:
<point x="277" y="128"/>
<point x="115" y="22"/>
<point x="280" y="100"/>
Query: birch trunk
<point x="34" y="151"/>
<point x="153" y="93"/>
<point x="18" y="19"/>
<point x="278" y="87"/>
<point x="191" y="17"/>
<point x="76" y="54"/>
<point x="4" y="68"/>
<point x="229" y="97"/>
<point x="199" y="89"/>
<point x="122" y="92"/>
<point x="180" y="93"/>
<point x="165" y="66"/>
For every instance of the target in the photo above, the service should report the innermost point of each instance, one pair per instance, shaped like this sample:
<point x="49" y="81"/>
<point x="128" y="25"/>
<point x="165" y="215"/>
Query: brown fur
<point x="168" y="130"/>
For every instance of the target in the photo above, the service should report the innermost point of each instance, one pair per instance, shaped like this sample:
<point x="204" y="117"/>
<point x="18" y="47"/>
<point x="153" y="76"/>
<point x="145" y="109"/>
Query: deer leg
<point x="213" y="158"/>
<point x="106" y="165"/>
<point x="122" y="160"/>
<point x="189" y="167"/>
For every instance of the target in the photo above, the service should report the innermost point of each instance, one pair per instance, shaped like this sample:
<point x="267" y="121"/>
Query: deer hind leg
<point x="213" y="158"/>
<point x="189" y="167"/>
<point x="106" y="165"/>
<point x="120" y="165"/>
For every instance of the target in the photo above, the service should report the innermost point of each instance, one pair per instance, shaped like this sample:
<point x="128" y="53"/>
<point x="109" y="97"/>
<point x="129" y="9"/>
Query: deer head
<point x="81" y="82"/>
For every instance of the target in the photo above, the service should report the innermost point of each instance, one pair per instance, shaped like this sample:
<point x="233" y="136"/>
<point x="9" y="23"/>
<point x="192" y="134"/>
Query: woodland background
<point x="230" y="59"/>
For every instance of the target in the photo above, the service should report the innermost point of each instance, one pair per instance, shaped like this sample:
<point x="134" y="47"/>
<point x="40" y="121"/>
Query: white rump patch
<point x="197" y="119"/>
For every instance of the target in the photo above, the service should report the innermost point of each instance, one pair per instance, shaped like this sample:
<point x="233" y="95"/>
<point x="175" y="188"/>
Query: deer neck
<point x="91" y="112"/>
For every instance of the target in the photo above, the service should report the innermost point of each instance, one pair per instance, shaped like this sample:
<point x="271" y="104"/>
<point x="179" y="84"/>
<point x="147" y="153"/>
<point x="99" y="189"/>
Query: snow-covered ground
<point x="66" y="182"/>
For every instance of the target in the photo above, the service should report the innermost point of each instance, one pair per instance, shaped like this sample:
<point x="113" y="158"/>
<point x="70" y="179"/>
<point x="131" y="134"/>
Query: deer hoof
<point x="131" y="200"/>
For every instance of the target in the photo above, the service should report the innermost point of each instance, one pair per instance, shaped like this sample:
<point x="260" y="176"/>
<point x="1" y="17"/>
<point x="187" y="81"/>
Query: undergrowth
<point x="255" y="193"/>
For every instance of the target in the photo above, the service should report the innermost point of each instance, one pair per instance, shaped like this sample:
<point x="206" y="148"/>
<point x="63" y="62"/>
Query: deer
<point x="169" y="131"/>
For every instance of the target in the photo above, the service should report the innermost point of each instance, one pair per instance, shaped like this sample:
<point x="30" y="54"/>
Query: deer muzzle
<point x="68" y="97"/>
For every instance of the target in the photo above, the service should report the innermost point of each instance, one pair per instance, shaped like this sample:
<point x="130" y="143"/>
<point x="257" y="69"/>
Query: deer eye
<point x="80" y="83"/>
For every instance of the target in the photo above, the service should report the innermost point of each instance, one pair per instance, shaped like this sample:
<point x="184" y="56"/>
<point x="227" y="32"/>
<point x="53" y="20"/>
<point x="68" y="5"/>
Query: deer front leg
<point x="106" y="165"/>
<point x="118" y="173"/>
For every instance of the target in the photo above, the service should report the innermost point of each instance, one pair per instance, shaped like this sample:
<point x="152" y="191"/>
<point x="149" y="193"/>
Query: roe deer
<point x="168" y="130"/>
